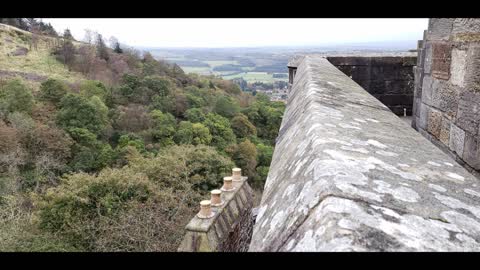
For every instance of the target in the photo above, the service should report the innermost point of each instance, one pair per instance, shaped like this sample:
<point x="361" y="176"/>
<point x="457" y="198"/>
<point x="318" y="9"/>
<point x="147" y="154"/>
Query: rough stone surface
<point x="440" y="28"/>
<point x="472" y="74"/>
<point x="349" y="175"/>
<point x="457" y="139"/>
<point x="434" y="122"/>
<point x="390" y="79"/>
<point x="449" y="83"/>
<point x="457" y="68"/>
<point x="423" y="120"/>
<point x="445" y="98"/>
<point x="471" y="151"/>
<point x="445" y="131"/>
<point x="466" y="25"/>
<point x="468" y="115"/>
<point x="441" y="59"/>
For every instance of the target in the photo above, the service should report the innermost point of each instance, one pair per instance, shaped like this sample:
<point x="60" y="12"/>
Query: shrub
<point x="195" y="134"/>
<point x="53" y="90"/>
<point x="242" y="127"/>
<point x="15" y="96"/>
<point x="82" y="202"/>
<point x="80" y="112"/>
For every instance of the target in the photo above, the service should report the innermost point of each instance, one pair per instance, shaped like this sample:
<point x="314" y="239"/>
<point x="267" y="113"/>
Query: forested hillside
<point x="104" y="148"/>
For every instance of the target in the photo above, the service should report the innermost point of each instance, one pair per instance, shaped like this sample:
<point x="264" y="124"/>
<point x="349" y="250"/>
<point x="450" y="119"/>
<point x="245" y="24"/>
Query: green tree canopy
<point x="15" y="96"/>
<point x="164" y="126"/>
<point x="226" y="107"/>
<point x="78" y="111"/>
<point x="242" y="127"/>
<point x="222" y="133"/>
<point x="192" y="133"/>
<point x="195" y="115"/>
<point x="245" y="156"/>
<point x="90" y="88"/>
<point x="53" y="90"/>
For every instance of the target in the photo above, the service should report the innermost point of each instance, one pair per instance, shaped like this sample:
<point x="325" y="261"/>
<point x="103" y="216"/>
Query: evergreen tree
<point x="67" y="35"/>
<point x="117" y="48"/>
<point x="102" y="51"/>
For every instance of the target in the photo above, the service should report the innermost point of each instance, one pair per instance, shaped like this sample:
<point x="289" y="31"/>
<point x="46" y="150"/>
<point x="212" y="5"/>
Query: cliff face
<point x="349" y="175"/>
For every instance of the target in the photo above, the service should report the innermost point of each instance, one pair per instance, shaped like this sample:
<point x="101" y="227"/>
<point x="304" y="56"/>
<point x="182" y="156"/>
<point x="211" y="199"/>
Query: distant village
<point x="276" y="91"/>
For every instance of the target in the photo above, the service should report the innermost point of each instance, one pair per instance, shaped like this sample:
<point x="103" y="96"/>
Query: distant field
<point x="229" y="69"/>
<point x="199" y="70"/>
<point x="219" y="63"/>
<point x="251" y="77"/>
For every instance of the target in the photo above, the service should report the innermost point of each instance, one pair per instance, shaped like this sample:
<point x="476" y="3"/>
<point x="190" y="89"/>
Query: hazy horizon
<point x="246" y="33"/>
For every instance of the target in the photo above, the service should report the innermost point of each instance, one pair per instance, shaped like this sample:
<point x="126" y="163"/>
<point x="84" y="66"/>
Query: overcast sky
<point x="215" y="33"/>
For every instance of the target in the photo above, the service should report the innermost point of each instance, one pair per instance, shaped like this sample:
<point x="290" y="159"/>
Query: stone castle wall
<point x="390" y="79"/>
<point x="447" y="88"/>
<point x="229" y="230"/>
<point x="349" y="175"/>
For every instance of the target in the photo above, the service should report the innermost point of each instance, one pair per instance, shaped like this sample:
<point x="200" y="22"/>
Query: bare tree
<point x="35" y="37"/>
<point x="112" y="41"/>
<point x="89" y="36"/>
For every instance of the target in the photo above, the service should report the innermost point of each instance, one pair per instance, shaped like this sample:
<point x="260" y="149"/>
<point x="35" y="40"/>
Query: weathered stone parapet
<point x="230" y="227"/>
<point x="390" y="79"/>
<point x="349" y="175"/>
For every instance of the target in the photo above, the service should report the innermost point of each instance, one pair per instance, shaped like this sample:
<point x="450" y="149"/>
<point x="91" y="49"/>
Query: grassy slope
<point x="38" y="62"/>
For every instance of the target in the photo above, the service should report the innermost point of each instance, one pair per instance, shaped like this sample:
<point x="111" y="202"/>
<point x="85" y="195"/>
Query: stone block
<point x="360" y="73"/>
<point x="213" y="240"/>
<point x="409" y="61"/>
<point x="234" y="208"/>
<point x="466" y="25"/>
<point x="472" y="73"/>
<point x="240" y="204"/>
<point x="387" y="61"/>
<point x="458" y="67"/>
<point x="457" y="139"/>
<point x="416" y="107"/>
<point x="439" y="28"/>
<point x="434" y="124"/>
<point x="419" y="44"/>
<point x="398" y="87"/>
<point x="420" y="57"/>
<point x="347" y="70"/>
<point x="427" y="90"/>
<point x="471" y="151"/>
<point x="441" y="59"/>
<point x="445" y="98"/>
<point x="427" y="56"/>
<point x="445" y="131"/>
<point x="423" y="121"/>
<point x="468" y="114"/>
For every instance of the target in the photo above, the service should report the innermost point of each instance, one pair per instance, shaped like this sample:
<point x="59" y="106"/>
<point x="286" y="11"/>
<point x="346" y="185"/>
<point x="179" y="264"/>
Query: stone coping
<point x="297" y="59"/>
<point x="349" y="175"/>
